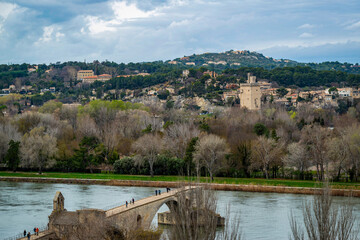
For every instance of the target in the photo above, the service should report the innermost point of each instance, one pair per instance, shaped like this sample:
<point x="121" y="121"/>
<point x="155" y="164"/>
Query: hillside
<point x="236" y="59"/>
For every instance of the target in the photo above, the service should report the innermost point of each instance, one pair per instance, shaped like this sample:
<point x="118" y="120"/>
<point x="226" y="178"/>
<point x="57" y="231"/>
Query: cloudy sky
<point x="44" y="31"/>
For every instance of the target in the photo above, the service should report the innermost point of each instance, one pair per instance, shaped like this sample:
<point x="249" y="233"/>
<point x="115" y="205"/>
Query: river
<point x="263" y="215"/>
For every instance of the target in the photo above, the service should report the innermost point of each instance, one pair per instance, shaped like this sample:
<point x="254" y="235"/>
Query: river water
<point x="263" y="215"/>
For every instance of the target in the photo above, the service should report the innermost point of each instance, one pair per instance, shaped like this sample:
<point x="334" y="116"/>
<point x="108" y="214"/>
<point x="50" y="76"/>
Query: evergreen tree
<point x="12" y="158"/>
<point x="188" y="159"/>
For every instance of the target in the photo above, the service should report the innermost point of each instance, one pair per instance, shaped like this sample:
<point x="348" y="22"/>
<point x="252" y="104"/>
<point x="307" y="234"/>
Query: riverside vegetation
<point x="146" y="139"/>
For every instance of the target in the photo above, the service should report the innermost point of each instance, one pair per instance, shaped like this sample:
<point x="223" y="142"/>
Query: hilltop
<point x="245" y="58"/>
<point x="233" y="58"/>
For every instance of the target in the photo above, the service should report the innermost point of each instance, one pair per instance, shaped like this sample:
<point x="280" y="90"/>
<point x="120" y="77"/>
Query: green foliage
<point x="244" y="152"/>
<point x="188" y="159"/>
<point x="301" y="76"/>
<point x="292" y="114"/>
<point x="125" y="165"/>
<point x="204" y="126"/>
<point x="274" y="135"/>
<point x="50" y="106"/>
<point x="169" y="104"/>
<point x="87" y="154"/>
<point x="12" y="158"/>
<point x="167" y="124"/>
<point x="282" y="91"/>
<point x="148" y="129"/>
<point x="333" y="89"/>
<point x="163" y="94"/>
<point x="164" y="165"/>
<point x="94" y="106"/>
<point x="39" y="100"/>
<point x="260" y="129"/>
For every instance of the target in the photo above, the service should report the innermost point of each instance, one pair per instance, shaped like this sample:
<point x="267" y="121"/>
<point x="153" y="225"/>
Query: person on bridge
<point x="159" y="192"/>
<point x="28" y="235"/>
<point x="155" y="192"/>
<point x="37" y="231"/>
<point x="24" y="233"/>
<point x="126" y="203"/>
<point x="133" y="201"/>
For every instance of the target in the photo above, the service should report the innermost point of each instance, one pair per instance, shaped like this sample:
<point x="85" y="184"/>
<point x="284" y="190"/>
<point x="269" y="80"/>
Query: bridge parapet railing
<point x="21" y="235"/>
<point x="115" y="205"/>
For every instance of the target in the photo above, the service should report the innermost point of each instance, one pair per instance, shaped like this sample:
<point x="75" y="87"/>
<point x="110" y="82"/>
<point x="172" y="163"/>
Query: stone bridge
<point x="142" y="212"/>
<point x="138" y="215"/>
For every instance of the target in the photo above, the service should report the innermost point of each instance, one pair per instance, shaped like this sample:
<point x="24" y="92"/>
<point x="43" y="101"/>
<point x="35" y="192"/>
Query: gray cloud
<point x="149" y="30"/>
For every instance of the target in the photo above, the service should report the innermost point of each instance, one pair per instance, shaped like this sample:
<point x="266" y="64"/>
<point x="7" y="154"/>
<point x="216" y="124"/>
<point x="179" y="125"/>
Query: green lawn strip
<point x="243" y="181"/>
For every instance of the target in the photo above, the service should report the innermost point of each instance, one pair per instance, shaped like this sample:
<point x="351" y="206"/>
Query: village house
<point x="185" y="73"/>
<point x="227" y="95"/>
<point x="264" y="85"/>
<point x="344" y="92"/>
<point x="211" y="74"/>
<point x="33" y="69"/>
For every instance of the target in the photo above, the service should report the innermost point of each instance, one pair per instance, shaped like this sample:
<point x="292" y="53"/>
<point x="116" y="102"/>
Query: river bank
<point x="174" y="184"/>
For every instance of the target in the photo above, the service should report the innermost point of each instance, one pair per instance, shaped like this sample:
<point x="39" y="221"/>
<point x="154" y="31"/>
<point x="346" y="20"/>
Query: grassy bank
<point x="243" y="181"/>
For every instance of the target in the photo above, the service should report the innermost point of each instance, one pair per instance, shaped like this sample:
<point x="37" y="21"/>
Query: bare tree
<point x="86" y="126"/>
<point x="69" y="113"/>
<point x="266" y="154"/>
<point x="195" y="218"/>
<point x="297" y="157"/>
<point x="210" y="152"/>
<point x="177" y="137"/>
<point x="324" y="221"/>
<point x="315" y="137"/>
<point x="37" y="149"/>
<point x="339" y="156"/>
<point x="351" y="136"/>
<point x="147" y="149"/>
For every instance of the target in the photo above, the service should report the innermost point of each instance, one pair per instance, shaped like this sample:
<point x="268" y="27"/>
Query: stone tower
<point x="58" y="202"/>
<point x="250" y="94"/>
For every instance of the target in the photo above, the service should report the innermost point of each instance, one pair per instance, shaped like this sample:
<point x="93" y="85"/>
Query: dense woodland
<point x="133" y="138"/>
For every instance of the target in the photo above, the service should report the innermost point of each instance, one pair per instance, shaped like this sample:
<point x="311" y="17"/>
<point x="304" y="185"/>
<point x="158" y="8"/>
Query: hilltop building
<point x="84" y="73"/>
<point x="87" y="76"/>
<point x="250" y="94"/>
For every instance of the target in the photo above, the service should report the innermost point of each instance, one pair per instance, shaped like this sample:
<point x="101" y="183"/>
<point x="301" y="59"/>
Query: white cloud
<point x="306" y="26"/>
<point x="121" y="12"/>
<point x="50" y="33"/>
<point x="126" y="12"/>
<point x="97" y="25"/>
<point x="353" y="26"/>
<point x="306" y="35"/>
<point x="5" y="10"/>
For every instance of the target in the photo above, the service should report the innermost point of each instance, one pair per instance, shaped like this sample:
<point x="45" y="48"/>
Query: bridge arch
<point x="171" y="203"/>
<point x="142" y="213"/>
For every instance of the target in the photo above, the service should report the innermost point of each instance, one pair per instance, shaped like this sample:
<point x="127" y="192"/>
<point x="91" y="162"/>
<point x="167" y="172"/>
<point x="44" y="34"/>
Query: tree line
<point x="133" y="138"/>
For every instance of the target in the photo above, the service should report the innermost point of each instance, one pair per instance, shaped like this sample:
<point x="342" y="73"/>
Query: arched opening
<point x="138" y="221"/>
<point x="162" y="216"/>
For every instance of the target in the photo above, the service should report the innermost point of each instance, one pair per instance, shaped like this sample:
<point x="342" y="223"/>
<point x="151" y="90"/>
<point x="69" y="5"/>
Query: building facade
<point x="250" y="94"/>
<point x="84" y="73"/>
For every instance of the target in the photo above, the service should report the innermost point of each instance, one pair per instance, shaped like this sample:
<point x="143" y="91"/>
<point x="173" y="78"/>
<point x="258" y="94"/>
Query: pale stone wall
<point x="250" y="96"/>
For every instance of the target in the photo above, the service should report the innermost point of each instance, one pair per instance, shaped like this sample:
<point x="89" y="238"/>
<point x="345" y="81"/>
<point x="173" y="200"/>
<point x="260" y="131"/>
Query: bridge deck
<point x="41" y="235"/>
<point x="145" y="201"/>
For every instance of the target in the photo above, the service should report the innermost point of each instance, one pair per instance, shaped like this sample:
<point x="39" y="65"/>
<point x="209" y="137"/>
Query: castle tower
<point x="250" y="94"/>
